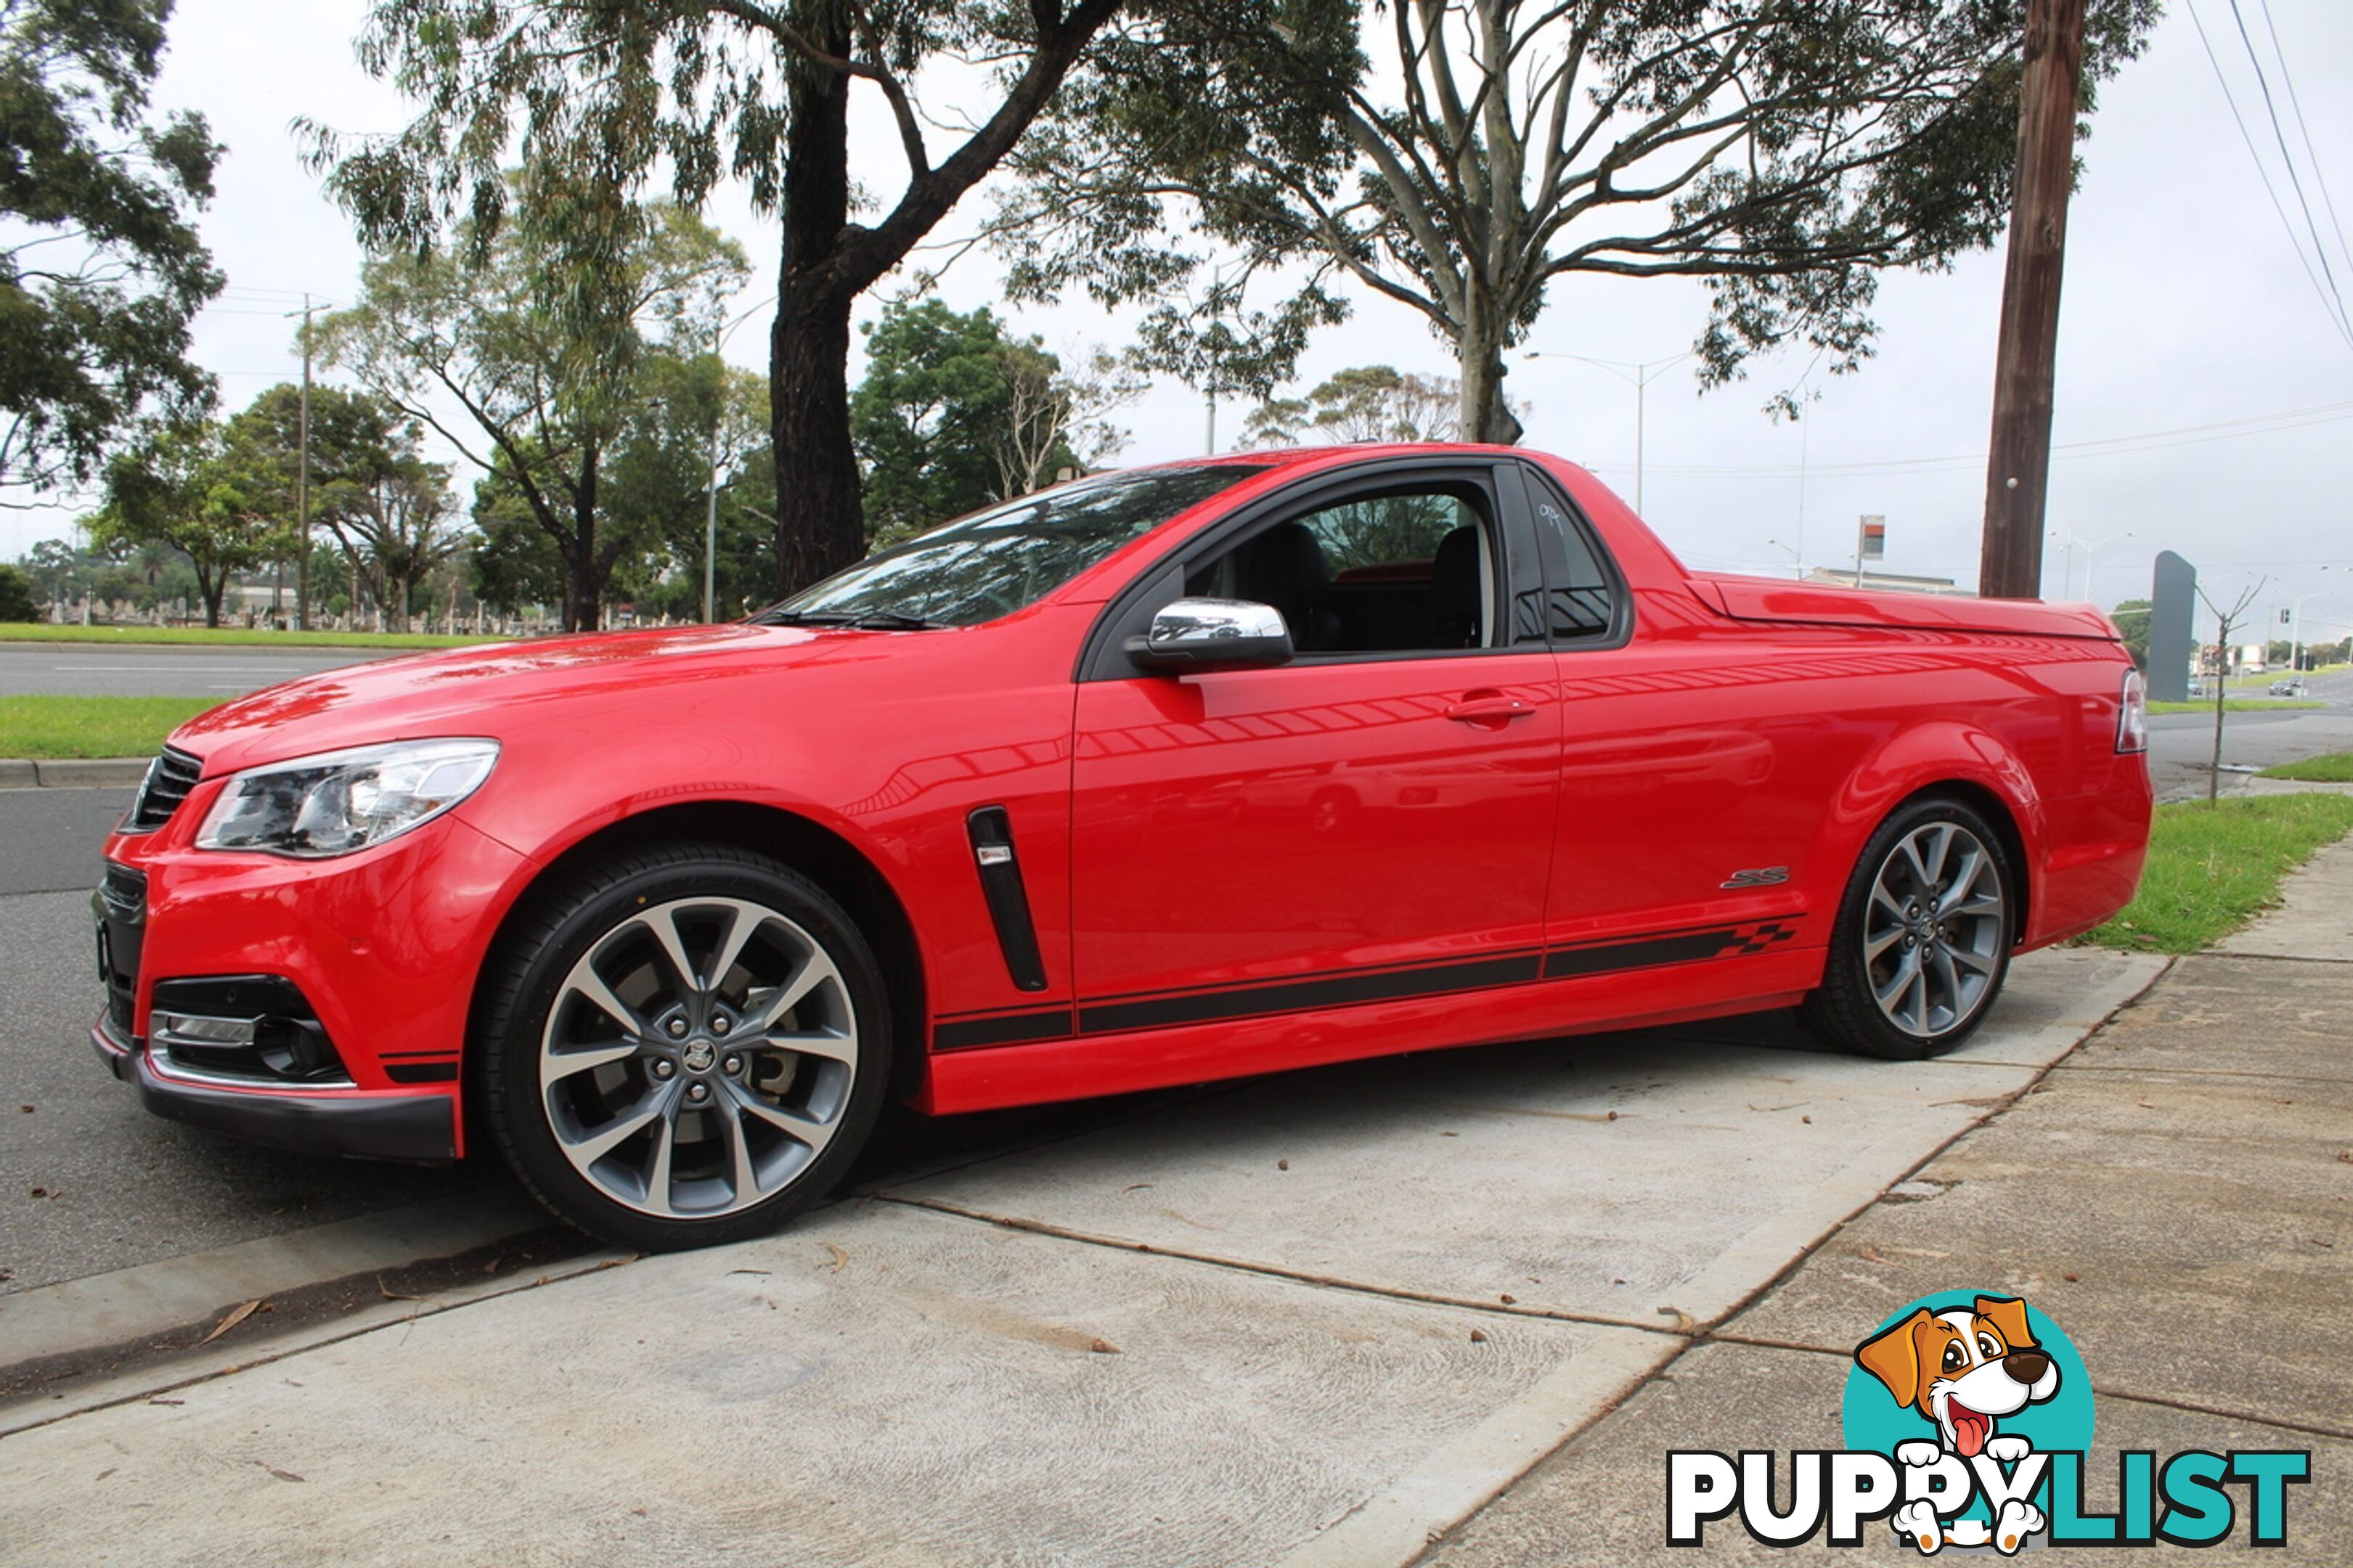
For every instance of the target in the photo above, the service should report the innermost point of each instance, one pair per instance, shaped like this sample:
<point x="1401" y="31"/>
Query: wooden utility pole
<point x="2018" y="470"/>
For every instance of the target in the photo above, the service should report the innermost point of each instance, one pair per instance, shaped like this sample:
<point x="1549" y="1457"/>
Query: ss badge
<point x="1762" y="877"/>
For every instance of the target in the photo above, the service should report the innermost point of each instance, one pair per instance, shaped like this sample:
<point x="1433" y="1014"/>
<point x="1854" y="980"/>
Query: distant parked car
<point x="2291" y="687"/>
<point x="2197" y="687"/>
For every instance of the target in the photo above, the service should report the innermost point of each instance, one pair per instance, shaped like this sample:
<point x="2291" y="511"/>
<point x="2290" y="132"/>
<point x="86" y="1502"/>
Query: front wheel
<point x="688" y="1046"/>
<point x="1922" y="941"/>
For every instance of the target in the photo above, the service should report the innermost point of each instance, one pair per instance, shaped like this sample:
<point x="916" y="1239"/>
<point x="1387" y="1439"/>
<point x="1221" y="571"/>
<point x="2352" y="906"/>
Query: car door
<point x="1373" y="819"/>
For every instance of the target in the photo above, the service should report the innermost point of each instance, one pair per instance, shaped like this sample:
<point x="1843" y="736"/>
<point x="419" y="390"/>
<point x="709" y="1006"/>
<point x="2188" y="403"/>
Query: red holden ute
<point x="1164" y="776"/>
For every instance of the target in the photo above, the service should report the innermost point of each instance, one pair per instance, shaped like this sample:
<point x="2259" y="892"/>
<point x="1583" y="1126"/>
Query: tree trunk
<point x="820" y="521"/>
<point x="584" y="580"/>
<point x="1485" y="416"/>
<point x="212" y="589"/>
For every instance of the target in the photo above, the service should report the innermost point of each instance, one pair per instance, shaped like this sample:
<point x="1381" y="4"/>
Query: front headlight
<point x="338" y="802"/>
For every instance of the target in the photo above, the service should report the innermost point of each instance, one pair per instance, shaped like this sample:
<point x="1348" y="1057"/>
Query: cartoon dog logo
<point x="1964" y="1368"/>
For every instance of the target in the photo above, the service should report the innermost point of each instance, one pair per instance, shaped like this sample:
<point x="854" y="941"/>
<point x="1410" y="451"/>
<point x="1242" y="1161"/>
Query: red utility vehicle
<point x="1166" y="775"/>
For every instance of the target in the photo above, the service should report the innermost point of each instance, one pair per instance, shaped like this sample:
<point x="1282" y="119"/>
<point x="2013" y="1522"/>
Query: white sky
<point x="2185" y="309"/>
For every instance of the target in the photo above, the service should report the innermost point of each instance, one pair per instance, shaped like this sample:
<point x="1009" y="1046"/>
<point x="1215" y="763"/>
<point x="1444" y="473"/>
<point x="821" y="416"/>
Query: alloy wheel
<point x="698" y="1056"/>
<point x="1934" y="930"/>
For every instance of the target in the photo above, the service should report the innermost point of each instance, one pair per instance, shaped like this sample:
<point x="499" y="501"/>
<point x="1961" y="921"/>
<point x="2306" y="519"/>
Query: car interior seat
<point x="1284" y="567"/>
<point x="1454" y="589"/>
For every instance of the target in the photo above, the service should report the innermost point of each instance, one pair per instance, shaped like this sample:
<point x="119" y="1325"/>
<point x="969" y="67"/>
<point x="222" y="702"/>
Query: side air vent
<point x="169" y="777"/>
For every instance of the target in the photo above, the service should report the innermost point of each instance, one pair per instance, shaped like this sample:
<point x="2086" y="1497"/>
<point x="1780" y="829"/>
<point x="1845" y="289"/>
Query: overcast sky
<point x="2187" y="314"/>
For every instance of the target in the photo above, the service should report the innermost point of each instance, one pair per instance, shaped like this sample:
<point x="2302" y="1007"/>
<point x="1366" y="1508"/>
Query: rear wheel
<point x="688" y="1046"/>
<point x="1921" y="945"/>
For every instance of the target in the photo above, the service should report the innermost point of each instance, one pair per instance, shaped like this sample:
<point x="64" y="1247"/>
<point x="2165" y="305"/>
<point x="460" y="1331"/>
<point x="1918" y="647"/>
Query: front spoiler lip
<point x="417" y="1128"/>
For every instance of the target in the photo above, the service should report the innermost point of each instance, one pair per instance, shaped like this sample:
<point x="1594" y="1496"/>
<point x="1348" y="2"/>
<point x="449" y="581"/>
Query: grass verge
<point x="226" y="637"/>
<point x="53" y="727"/>
<point x="2335" y="767"/>
<point x="2230" y="705"/>
<point x="2211" y="866"/>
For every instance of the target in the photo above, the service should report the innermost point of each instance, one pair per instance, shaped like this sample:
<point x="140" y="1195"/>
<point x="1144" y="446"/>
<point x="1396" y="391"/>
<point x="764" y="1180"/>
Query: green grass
<point x="2337" y="767"/>
<point x="226" y="636"/>
<point x="52" y="727"/>
<point x="2230" y="705"/>
<point x="2211" y="866"/>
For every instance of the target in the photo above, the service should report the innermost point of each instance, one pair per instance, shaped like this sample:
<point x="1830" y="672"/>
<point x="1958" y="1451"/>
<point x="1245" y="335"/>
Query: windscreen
<point x="992" y="562"/>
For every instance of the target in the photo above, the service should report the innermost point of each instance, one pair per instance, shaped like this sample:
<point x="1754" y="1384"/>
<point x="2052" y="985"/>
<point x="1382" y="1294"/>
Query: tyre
<point x="687" y="1046"/>
<point x="1922" y="940"/>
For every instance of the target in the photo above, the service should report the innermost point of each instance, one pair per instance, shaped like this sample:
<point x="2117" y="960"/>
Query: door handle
<point x="1489" y="707"/>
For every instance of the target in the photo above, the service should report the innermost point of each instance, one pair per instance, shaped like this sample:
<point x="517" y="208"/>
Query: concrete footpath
<point x="1454" y="1308"/>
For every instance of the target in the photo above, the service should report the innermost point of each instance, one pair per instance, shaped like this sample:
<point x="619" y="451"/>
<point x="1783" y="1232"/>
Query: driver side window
<point x="1409" y="569"/>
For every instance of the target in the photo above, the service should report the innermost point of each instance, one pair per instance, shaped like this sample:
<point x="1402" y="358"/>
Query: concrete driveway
<point x="1312" y="1318"/>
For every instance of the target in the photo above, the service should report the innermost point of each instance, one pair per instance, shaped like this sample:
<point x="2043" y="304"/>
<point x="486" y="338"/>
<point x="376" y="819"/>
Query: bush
<point x="16" y="601"/>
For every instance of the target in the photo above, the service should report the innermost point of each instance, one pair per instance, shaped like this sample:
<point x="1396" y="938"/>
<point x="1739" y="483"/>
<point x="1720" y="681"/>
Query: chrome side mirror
<point x="1191" y="635"/>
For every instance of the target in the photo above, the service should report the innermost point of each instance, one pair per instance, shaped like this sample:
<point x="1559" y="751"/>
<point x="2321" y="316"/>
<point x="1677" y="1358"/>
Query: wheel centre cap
<point x="699" y="1056"/>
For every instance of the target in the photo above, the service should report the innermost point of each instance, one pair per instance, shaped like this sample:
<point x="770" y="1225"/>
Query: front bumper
<point x="416" y="1128"/>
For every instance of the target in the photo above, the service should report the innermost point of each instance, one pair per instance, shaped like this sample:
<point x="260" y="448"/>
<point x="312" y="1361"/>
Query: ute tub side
<point x="1767" y="599"/>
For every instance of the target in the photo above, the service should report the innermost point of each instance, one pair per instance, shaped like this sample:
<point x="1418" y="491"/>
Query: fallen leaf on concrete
<point x="2071" y="1278"/>
<point x="29" y="1110"/>
<point x="110" y="1469"/>
<point x="2344" y="1156"/>
<point x="1283" y="1165"/>
<point x="1978" y="1103"/>
<point x="40" y="1192"/>
<point x="841" y="1258"/>
<point x="1450" y="1135"/>
<point x="1769" y="1109"/>
<point x="1104" y="1347"/>
<point x="1135" y="1186"/>
<point x="167" y="1402"/>
<point x="759" y="1271"/>
<point x="1685" y="1322"/>
<point x="1872" y="1255"/>
<point x="236" y="1316"/>
<point x="2318" y="1241"/>
<point x="392" y="1295"/>
<point x="1507" y="1298"/>
<point x="281" y="1475"/>
<point x="1806" y="1120"/>
<point x="1478" y="1336"/>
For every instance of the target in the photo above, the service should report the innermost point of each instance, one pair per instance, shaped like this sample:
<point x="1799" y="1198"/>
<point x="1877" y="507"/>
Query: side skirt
<point x="1127" y="1061"/>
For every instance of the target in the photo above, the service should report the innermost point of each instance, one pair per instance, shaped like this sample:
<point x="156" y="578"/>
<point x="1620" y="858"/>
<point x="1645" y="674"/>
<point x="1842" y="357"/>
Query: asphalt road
<point x="2181" y="745"/>
<point x="159" y="669"/>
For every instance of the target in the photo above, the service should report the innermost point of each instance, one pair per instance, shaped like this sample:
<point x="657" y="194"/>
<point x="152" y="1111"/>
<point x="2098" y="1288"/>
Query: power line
<point x="2312" y="155"/>
<point x="2101" y="447"/>
<point x="2344" y="329"/>
<point x="2295" y="182"/>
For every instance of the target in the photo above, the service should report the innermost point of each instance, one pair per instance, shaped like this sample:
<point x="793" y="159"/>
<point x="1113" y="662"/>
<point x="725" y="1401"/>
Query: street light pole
<point x="719" y="336"/>
<point x="2091" y="547"/>
<point x="1644" y="372"/>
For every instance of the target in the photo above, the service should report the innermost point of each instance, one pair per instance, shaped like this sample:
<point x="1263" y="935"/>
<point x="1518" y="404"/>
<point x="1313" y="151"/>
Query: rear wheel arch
<point x="838" y="867"/>
<point x="1962" y="763"/>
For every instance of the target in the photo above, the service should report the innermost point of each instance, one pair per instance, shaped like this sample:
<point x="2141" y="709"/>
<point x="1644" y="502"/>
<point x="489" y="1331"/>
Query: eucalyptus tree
<point x="179" y="489"/>
<point x="526" y="347"/>
<point x="101" y="265"/>
<point x="625" y="92"/>
<point x="1458" y="156"/>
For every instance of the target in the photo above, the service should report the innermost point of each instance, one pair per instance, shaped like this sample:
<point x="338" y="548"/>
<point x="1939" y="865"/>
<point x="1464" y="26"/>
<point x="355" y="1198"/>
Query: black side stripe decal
<point x="1003" y="1029"/>
<point x="1152" y="1012"/>
<point x="1289" y="995"/>
<point x="1680" y="947"/>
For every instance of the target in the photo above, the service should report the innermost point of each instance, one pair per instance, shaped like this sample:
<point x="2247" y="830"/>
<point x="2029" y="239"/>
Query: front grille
<point x="169" y="777"/>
